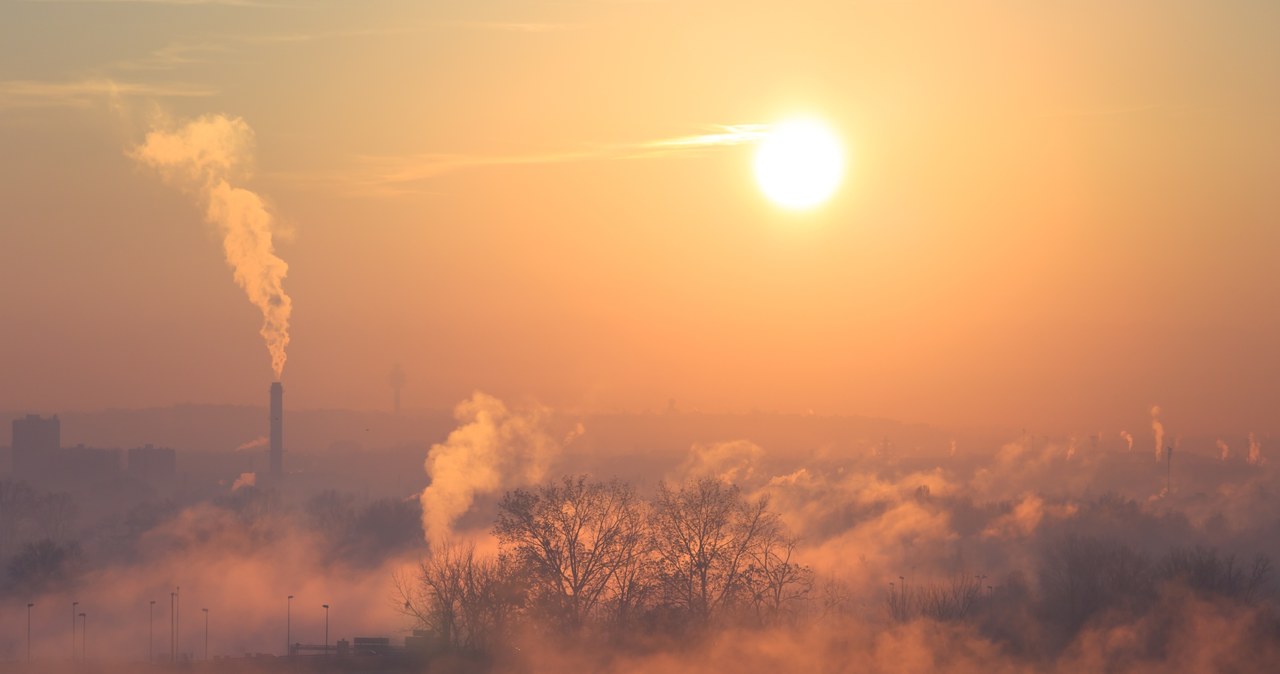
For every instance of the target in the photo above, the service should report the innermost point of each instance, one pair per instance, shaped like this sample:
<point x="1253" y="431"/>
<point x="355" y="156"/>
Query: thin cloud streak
<point x="389" y="176"/>
<point x="84" y="93"/>
<point x="177" y="54"/>
<point x="224" y="3"/>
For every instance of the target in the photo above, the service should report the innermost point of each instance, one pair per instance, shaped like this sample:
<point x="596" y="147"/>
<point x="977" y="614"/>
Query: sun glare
<point x="799" y="164"/>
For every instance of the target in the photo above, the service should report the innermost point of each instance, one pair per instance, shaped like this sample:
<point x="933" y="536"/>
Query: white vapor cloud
<point x="204" y="156"/>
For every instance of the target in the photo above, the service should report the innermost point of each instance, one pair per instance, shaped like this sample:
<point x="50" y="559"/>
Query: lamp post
<point x="326" y="628"/>
<point x="29" y="605"/>
<point x="151" y="632"/>
<point x="288" y="626"/>
<point x="84" y="638"/>
<point x="74" y="604"/>
<point x="206" y="633"/>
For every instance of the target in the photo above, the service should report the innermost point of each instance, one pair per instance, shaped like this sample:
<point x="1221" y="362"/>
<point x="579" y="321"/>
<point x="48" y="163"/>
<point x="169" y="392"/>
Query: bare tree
<point x="1082" y="576"/>
<point x="581" y="542"/>
<point x="466" y="602"/>
<point x="778" y="583"/>
<point x="956" y="600"/>
<point x="1208" y="571"/>
<point x="705" y="535"/>
<point x="46" y="565"/>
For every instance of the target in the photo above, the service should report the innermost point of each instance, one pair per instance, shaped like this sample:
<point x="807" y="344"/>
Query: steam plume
<point x="1157" y="429"/>
<point x="492" y="449"/>
<point x="203" y="157"/>
<point x="1255" y="451"/>
<point x="260" y="441"/>
<point x="245" y="480"/>
<point x="1128" y="439"/>
<point x="1223" y="450"/>
<point x="733" y="462"/>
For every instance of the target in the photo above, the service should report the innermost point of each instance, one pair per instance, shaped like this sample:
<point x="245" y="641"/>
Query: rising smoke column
<point x="1223" y="449"/>
<point x="1157" y="429"/>
<point x="493" y="449"/>
<point x="1128" y="440"/>
<point x="1255" y="451"/>
<point x="204" y="156"/>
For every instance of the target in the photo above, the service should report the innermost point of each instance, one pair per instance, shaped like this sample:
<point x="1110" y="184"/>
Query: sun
<point x="799" y="164"/>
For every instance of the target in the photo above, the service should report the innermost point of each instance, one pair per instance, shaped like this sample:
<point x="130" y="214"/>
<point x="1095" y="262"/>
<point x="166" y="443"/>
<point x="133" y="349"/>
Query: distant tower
<point x="276" y="453"/>
<point x="397" y="382"/>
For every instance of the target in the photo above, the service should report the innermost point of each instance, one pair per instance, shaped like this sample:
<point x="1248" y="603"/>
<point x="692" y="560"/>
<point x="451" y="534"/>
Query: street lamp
<point x="151" y="632"/>
<point x="206" y="633"/>
<point x="29" y="605"/>
<point x="326" y="628"/>
<point x="84" y="638"/>
<point x="74" y="604"/>
<point x="288" y="626"/>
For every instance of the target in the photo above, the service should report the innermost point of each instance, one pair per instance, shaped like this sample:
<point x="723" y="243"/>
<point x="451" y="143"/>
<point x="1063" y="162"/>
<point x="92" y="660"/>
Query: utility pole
<point x="151" y="632"/>
<point x="288" y="626"/>
<point x="29" y="605"/>
<point x="206" y="633"/>
<point x="84" y="638"/>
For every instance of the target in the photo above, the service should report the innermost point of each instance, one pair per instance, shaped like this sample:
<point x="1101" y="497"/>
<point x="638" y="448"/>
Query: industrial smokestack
<point x="277" y="430"/>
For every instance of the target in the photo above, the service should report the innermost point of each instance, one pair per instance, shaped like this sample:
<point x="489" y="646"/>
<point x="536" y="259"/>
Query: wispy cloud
<point x="170" y="57"/>
<point x="387" y="176"/>
<point x="507" y="26"/>
<point x="84" y="93"/>
<point x="226" y="3"/>
<point x="201" y="50"/>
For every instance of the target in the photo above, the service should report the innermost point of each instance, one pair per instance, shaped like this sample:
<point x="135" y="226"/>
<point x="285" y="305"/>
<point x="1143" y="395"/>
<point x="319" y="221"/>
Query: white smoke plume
<point x="493" y="449"/>
<point x="1128" y="440"/>
<point x="260" y="441"/>
<point x="1255" y="451"/>
<point x="734" y="462"/>
<point x="1223" y="449"/>
<point x="245" y="480"/>
<point x="1157" y="429"/>
<point x="574" y="433"/>
<point x="952" y="450"/>
<point x="205" y="156"/>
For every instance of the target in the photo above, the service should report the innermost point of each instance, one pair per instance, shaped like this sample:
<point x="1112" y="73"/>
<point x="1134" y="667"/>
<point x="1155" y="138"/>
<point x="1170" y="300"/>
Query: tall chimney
<point x="276" y="453"/>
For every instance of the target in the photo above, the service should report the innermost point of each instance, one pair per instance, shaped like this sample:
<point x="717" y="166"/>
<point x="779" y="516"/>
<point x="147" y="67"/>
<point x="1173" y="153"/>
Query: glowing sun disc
<point x="799" y="164"/>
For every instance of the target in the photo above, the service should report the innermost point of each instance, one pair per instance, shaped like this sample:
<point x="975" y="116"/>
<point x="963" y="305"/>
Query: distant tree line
<point x="588" y="560"/>
<point x="1080" y="579"/>
<point x="45" y="545"/>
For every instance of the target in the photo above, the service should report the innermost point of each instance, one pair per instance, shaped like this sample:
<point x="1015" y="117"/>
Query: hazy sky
<point x="1056" y="214"/>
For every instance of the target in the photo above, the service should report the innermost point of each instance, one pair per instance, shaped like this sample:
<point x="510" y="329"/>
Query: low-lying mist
<point x="545" y="544"/>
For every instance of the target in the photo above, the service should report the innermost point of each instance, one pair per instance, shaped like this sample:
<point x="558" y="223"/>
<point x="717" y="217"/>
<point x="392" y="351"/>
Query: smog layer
<point x="542" y="541"/>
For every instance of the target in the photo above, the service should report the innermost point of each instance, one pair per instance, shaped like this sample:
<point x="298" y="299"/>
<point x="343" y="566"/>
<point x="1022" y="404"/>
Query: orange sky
<point x="1056" y="213"/>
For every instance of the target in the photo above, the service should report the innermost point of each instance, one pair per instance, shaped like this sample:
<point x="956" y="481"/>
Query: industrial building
<point x="38" y="456"/>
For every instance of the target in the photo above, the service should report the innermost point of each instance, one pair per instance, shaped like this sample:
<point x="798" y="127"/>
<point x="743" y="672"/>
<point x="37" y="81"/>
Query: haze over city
<point x="936" y="312"/>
